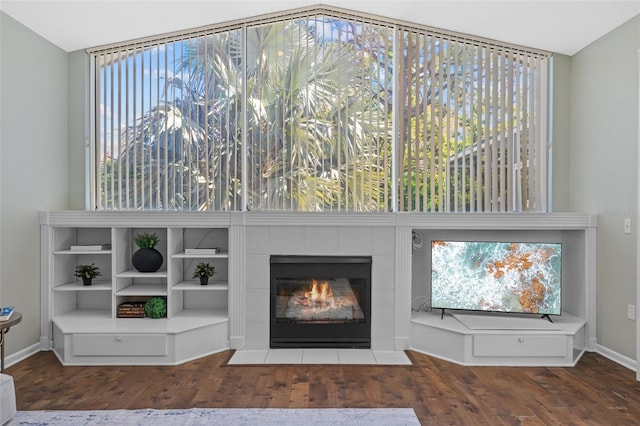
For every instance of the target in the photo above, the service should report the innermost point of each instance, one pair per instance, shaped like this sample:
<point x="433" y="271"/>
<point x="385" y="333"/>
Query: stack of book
<point x="131" y="310"/>
<point x="5" y="313"/>
<point x="207" y="250"/>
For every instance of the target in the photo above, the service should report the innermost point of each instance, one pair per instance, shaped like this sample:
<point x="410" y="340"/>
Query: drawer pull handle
<point x="118" y="339"/>
<point x="521" y="339"/>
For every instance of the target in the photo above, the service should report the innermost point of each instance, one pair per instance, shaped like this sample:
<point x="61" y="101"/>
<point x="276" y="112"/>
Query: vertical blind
<point x="472" y="130"/>
<point x="318" y="135"/>
<point x="162" y="123"/>
<point x="319" y="111"/>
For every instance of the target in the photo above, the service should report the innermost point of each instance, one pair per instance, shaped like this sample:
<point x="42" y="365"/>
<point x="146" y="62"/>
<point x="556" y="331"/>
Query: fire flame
<point x="319" y="293"/>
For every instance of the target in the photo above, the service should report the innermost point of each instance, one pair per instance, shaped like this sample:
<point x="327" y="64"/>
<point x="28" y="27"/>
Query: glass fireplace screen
<point x="320" y="300"/>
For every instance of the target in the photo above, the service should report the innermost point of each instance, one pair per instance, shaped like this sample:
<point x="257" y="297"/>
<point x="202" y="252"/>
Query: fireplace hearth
<point x="320" y="302"/>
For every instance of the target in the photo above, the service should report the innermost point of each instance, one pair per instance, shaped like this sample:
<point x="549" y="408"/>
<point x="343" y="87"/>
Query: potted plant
<point x="204" y="271"/>
<point x="156" y="307"/>
<point x="147" y="258"/>
<point x="87" y="273"/>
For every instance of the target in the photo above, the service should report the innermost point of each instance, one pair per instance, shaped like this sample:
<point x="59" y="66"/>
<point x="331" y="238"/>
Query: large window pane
<point x="472" y="134"/>
<point x="167" y="124"/>
<point x="320" y="110"/>
<point x="319" y="127"/>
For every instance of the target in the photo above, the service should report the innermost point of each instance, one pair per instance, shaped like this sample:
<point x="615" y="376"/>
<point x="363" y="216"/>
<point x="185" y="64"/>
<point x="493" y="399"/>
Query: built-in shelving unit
<point x="80" y="323"/>
<point x="86" y="328"/>
<point x="448" y="338"/>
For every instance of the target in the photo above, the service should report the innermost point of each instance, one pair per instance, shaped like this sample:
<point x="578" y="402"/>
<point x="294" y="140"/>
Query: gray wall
<point x="78" y="130"/>
<point x="561" y="107"/>
<point x="604" y="171"/>
<point x="33" y="165"/>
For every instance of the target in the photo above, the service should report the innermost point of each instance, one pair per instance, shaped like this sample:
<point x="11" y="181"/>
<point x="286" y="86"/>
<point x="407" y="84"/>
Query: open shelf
<point x="85" y="326"/>
<point x="195" y="285"/>
<point x="96" y="285"/>
<point x="132" y="273"/>
<point x="82" y="252"/>
<point x="143" y="290"/>
<point x="183" y="255"/>
<point x="84" y="318"/>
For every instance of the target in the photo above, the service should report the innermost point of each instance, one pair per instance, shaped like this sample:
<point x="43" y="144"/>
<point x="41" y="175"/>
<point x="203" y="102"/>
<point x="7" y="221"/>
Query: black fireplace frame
<point x="318" y="335"/>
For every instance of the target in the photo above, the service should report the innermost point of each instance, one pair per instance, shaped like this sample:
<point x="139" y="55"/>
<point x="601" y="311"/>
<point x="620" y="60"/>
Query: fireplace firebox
<point x="320" y="302"/>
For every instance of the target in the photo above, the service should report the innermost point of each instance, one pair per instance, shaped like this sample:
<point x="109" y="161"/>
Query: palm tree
<point x="312" y="122"/>
<point x="317" y="136"/>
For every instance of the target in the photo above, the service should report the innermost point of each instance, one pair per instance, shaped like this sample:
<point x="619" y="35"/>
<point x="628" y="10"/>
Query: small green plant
<point x="146" y="240"/>
<point x="203" y="270"/>
<point x="156" y="307"/>
<point x="87" y="271"/>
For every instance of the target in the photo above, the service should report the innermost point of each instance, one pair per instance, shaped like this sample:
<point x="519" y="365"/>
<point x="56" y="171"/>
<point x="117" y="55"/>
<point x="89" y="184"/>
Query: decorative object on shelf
<point x="204" y="271"/>
<point x="147" y="258"/>
<point x="87" y="273"/>
<point x="91" y="247"/>
<point x="5" y="313"/>
<point x="131" y="310"/>
<point x="156" y="307"/>
<point x="210" y="250"/>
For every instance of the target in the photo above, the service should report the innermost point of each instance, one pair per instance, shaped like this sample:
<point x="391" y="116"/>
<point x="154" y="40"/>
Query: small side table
<point x="4" y="329"/>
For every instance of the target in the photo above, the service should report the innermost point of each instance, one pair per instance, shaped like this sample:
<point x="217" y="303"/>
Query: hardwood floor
<point x="595" y="392"/>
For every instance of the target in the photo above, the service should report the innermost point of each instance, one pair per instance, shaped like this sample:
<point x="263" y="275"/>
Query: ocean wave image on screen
<point x="497" y="276"/>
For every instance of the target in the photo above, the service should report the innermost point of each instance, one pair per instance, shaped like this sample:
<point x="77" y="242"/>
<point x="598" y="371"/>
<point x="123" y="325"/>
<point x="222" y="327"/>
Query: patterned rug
<point x="221" y="416"/>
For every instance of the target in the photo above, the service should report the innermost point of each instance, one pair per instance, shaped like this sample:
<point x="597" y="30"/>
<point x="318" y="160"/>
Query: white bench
<point x="7" y="399"/>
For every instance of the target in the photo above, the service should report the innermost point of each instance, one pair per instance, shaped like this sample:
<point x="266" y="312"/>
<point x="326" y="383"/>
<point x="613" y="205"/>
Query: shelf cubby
<point x="197" y="315"/>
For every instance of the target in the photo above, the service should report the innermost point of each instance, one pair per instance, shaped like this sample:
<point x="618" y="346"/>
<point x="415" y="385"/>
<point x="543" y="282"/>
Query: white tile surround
<point x="320" y="240"/>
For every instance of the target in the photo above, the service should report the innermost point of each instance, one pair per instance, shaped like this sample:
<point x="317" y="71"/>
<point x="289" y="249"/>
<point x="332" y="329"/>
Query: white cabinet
<point x="445" y="337"/>
<point x="520" y="344"/>
<point x="448" y="338"/>
<point x="119" y="344"/>
<point x="69" y="293"/>
<point x="86" y="328"/>
<point x="188" y="296"/>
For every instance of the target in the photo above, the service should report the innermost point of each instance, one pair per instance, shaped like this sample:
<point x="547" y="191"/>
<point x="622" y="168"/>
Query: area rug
<point x="221" y="416"/>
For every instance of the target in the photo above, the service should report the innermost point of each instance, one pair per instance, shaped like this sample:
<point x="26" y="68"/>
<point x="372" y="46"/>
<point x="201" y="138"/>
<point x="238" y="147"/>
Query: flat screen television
<point x="513" y="277"/>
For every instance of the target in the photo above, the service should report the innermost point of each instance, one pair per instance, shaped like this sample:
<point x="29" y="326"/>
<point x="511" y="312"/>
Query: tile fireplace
<point x="320" y="301"/>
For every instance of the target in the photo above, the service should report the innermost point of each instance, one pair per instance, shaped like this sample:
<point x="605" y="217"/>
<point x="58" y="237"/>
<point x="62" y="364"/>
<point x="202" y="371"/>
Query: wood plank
<point x="596" y="391"/>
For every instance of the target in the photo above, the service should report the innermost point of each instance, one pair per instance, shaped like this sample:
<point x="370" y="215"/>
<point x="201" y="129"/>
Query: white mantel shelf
<point x="496" y="221"/>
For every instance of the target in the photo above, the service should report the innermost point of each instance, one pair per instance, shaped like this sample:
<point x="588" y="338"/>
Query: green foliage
<point x="87" y="271"/>
<point x="156" y="307"/>
<point x="203" y="270"/>
<point x="146" y="240"/>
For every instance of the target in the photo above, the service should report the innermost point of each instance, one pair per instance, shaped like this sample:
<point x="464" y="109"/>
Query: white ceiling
<point x="562" y="26"/>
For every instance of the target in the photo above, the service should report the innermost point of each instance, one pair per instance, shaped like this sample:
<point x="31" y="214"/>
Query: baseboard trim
<point x="16" y="357"/>
<point x="601" y="350"/>
<point x="618" y="358"/>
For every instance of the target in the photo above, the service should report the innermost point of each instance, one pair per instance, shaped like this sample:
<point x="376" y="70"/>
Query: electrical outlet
<point x="631" y="311"/>
<point x="627" y="226"/>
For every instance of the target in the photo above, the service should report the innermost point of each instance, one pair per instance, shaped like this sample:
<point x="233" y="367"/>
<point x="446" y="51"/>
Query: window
<point x="318" y="111"/>
<point x="166" y="116"/>
<point x="472" y="125"/>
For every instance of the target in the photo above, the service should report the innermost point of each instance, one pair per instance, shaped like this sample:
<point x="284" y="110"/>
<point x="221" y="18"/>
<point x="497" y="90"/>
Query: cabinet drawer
<point x="119" y="345"/>
<point x="520" y="345"/>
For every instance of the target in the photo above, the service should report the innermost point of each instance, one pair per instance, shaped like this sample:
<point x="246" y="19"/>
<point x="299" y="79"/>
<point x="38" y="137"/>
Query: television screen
<point x="518" y="277"/>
